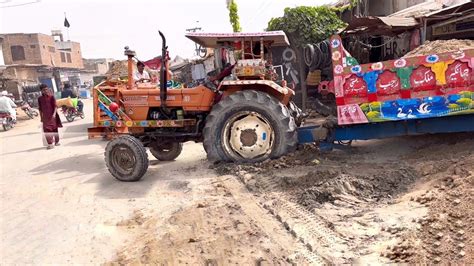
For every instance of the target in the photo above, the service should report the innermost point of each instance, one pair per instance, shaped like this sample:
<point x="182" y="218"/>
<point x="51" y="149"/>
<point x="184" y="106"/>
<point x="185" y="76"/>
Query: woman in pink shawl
<point x="49" y="116"/>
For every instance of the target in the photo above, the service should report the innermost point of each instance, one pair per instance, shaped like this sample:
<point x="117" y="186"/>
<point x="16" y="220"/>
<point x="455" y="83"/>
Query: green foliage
<point x="234" y="17"/>
<point x="351" y="5"/>
<point x="307" y="24"/>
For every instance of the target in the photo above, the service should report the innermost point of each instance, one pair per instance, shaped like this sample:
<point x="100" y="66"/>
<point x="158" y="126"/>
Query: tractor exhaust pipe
<point x="163" y="71"/>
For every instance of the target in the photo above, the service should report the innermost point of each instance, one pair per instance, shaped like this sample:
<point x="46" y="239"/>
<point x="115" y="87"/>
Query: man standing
<point x="7" y="105"/>
<point x="49" y="116"/>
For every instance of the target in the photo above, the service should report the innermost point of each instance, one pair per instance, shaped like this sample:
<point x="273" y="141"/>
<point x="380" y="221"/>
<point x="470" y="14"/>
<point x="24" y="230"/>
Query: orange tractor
<point x="247" y="116"/>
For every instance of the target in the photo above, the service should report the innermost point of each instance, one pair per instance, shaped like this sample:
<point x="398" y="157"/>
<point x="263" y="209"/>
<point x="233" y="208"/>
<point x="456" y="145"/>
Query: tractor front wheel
<point x="249" y="126"/>
<point x="166" y="151"/>
<point x="126" y="158"/>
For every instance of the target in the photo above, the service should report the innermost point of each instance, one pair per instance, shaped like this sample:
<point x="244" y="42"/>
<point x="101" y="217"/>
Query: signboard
<point x="458" y="25"/>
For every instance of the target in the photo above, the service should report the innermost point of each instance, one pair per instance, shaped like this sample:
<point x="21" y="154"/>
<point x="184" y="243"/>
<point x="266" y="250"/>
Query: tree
<point x="234" y="16"/>
<point x="307" y="24"/>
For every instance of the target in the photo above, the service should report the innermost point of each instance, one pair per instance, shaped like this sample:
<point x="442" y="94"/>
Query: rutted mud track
<point x="397" y="200"/>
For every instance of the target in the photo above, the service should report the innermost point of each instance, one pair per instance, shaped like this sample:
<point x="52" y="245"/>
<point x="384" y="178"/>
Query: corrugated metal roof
<point x="469" y="4"/>
<point x="399" y="21"/>
<point x="380" y="25"/>
<point x="419" y="10"/>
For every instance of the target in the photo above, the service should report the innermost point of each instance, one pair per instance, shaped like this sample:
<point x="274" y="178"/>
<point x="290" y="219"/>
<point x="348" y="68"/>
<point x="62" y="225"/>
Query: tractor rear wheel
<point x="249" y="126"/>
<point x="126" y="158"/>
<point x="166" y="151"/>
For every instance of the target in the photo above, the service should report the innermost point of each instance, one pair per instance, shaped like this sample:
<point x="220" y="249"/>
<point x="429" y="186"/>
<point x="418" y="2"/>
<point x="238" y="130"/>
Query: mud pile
<point x="323" y="186"/>
<point x="396" y="200"/>
<point x="446" y="232"/>
<point x="441" y="46"/>
<point x="306" y="155"/>
<point x="119" y="68"/>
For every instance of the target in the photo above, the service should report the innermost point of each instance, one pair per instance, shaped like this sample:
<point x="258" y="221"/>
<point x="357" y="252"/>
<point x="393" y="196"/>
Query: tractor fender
<point x="283" y="94"/>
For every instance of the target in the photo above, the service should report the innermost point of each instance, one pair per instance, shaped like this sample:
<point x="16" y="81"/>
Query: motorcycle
<point x="7" y="121"/>
<point x="30" y="112"/>
<point x="71" y="113"/>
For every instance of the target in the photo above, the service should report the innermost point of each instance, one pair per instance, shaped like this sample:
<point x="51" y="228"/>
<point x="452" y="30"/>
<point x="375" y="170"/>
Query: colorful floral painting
<point x="415" y="108"/>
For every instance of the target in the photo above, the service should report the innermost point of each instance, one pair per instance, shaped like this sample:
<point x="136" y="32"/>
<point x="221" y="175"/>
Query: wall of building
<point x="41" y="49"/>
<point x="47" y="50"/>
<point x="30" y="45"/>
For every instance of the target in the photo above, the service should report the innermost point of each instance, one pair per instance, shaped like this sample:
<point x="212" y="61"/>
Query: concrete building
<point x="32" y="58"/>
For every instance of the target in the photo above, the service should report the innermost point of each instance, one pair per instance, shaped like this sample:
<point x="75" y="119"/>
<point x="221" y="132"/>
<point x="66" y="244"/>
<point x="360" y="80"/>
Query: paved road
<point x="62" y="206"/>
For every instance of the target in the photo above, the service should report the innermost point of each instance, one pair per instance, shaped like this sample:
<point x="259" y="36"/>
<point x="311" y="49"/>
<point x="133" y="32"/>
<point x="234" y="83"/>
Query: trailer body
<point x="414" y="95"/>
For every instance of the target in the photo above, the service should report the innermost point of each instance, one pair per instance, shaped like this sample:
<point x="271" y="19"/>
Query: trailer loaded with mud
<point x="422" y="94"/>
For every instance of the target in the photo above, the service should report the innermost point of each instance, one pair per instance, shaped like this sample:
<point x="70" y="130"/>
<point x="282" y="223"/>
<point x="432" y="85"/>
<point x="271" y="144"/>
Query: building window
<point x="63" y="57"/>
<point x="68" y="55"/>
<point x="51" y="49"/>
<point x="18" y="53"/>
<point x="32" y="46"/>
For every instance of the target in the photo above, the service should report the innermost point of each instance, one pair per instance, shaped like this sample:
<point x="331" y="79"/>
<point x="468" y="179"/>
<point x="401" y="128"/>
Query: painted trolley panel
<point x="416" y="87"/>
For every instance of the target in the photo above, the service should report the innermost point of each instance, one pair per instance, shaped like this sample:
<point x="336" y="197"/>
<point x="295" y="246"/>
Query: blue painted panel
<point x="449" y="124"/>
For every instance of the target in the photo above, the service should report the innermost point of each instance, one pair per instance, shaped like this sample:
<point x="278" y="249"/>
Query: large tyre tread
<point x="286" y="143"/>
<point x="141" y="156"/>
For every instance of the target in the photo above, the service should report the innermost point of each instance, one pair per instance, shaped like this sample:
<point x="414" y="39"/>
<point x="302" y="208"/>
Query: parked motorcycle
<point x="7" y="121"/>
<point x="30" y="112"/>
<point x="71" y="113"/>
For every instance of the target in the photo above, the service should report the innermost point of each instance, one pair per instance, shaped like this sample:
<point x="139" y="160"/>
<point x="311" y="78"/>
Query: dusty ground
<point x="396" y="200"/>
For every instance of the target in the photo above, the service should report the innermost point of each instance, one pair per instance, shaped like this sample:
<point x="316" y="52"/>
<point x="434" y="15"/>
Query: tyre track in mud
<point x="271" y="225"/>
<point x="308" y="228"/>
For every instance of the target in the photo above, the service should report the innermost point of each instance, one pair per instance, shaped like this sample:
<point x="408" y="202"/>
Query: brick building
<point x="32" y="58"/>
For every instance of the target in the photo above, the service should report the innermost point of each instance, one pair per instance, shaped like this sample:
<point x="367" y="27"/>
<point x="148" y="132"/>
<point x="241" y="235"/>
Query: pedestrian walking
<point x="49" y="116"/>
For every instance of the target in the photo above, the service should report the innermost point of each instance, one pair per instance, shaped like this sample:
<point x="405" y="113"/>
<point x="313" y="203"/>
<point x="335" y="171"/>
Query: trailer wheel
<point x="166" y="151"/>
<point x="249" y="126"/>
<point x="126" y="158"/>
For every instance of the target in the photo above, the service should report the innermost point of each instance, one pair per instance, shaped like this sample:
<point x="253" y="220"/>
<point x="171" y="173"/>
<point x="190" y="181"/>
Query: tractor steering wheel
<point x="143" y="80"/>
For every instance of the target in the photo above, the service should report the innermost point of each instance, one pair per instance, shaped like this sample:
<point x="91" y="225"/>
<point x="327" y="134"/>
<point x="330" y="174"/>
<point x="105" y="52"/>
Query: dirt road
<point x="396" y="200"/>
<point x="61" y="205"/>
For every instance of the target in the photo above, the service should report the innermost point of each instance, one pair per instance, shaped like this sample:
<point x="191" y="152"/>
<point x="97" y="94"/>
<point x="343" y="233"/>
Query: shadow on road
<point x="85" y="142"/>
<point x="23" y="134"/>
<point x="82" y="164"/>
<point x="29" y="150"/>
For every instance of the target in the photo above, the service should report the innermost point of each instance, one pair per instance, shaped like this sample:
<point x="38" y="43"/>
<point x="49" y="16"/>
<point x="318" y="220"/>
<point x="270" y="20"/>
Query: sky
<point x="105" y="27"/>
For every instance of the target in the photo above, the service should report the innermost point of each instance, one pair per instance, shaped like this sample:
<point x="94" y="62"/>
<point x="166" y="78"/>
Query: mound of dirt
<point x="119" y="68"/>
<point x="319" y="187"/>
<point x="441" y="46"/>
<point x="307" y="155"/>
<point x="446" y="233"/>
